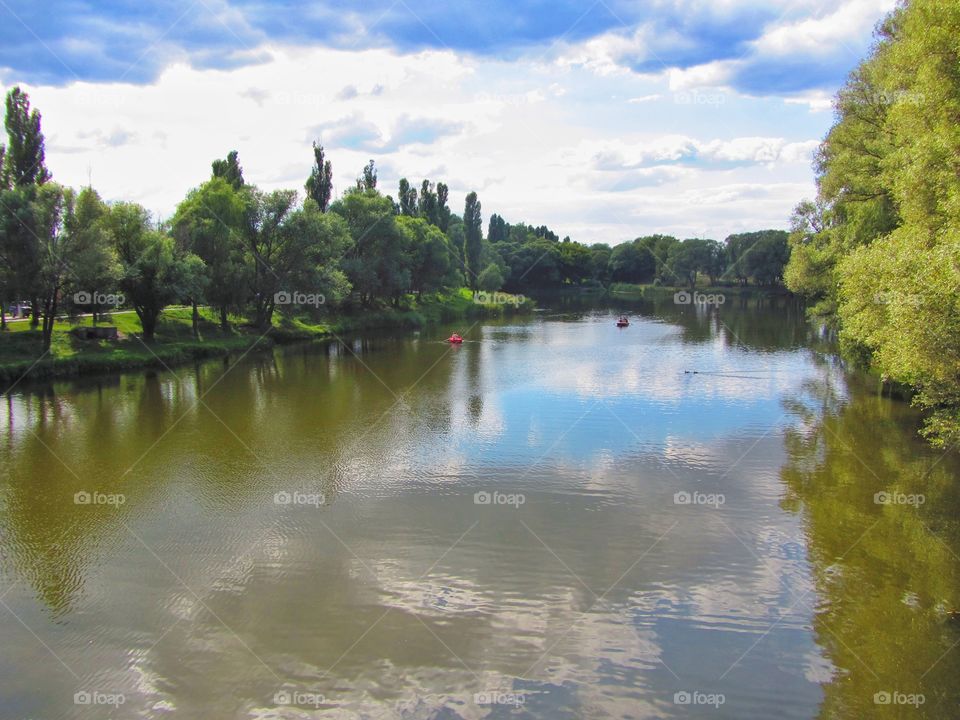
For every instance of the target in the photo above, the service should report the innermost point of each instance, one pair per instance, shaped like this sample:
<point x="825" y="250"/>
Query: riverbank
<point x="22" y="357"/>
<point x="651" y="289"/>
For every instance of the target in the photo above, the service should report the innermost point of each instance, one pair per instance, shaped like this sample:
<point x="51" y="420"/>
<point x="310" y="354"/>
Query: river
<point x="701" y="515"/>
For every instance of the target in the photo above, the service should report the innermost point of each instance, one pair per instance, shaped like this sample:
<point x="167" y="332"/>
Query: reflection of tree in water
<point x="887" y="576"/>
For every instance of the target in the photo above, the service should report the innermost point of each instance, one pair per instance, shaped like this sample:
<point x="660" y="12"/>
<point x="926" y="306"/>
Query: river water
<point x="557" y="519"/>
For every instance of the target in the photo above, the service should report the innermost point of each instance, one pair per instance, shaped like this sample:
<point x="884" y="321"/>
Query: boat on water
<point x="623" y="321"/>
<point x="455" y="339"/>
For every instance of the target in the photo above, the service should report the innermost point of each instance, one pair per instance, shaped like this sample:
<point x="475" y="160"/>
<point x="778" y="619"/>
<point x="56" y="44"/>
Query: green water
<point x="395" y="528"/>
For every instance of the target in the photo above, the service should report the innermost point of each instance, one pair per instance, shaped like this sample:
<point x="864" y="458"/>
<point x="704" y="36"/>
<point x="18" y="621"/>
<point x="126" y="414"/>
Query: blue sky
<point x="604" y="119"/>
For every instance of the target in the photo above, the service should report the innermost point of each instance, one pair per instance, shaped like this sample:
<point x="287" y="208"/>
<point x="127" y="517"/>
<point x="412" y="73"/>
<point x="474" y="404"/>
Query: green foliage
<point x="210" y="223"/>
<point x="153" y="272"/>
<point x="432" y="257"/>
<point x="319" y="185"/>
<point x="377" y="264"/>
<point x="23" y="161"/>
<point x="229" y="170"/>
<point x="878" y="251"/>
<point x="473" y="236"/>
<point x="368" y="178"/>
<point x="491" y="279"/>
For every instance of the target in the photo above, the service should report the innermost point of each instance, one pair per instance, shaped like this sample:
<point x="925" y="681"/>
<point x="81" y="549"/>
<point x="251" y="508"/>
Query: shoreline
<point x="70" y="357"/>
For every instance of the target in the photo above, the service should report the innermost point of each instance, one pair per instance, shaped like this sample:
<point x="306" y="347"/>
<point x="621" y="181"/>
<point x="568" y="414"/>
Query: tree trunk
<point x="148" y="320"/>
<point x="49" y="315"/>
<point x="224" y="323"/>
<point x="3" y="317"/>
<point x="196" y="321"/>
<point x="35" y="313"/>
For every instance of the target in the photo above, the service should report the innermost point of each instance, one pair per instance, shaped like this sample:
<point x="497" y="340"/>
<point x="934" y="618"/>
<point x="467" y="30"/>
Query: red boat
<point x="455" y="339"/>
<point x="623" y="321"/>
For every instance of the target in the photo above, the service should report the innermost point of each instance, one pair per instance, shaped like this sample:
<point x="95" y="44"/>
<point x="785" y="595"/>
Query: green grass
<point x="21" y="352"/>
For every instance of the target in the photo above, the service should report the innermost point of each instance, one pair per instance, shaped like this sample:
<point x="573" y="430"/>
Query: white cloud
<point x="822" y="35"/>
<point x="532" y="139"/>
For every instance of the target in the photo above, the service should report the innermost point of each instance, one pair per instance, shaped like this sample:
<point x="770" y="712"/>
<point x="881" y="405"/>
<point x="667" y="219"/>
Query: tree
<point x="432" y="258"/>
<point x="210" y="223"/>
<point x="632" y="263"/>
<point x="368" y="179"/>
<point x="293" y="249"/>
<point x="576" y="262"/>
<point x="95" y="269"/>
<point x="498" y="230"/>
<point x="377" y="264"/>
<point x="229" y="170"/>
<point x="154" y="274"/>
<point x="19" y="246"/>
<point x="427" y="206"/>
<point x="24" y="155"/>
<point x="491" y="279"/>
<point x="767" y="257"/>
<point x="473" y="236"/>
<point x="319" y="185"/>
<point x="407" y="197"/>
<point x="600" y="262"/>
<point x="443" y="212"/>
<point x="458" y="238"/>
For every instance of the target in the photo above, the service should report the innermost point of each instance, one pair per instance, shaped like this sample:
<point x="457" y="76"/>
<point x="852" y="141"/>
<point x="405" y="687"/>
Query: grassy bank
<point x="22" y="357"/>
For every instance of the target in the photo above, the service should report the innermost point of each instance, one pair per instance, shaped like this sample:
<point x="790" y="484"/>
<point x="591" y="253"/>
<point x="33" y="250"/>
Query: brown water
<point x="299" y="534"/>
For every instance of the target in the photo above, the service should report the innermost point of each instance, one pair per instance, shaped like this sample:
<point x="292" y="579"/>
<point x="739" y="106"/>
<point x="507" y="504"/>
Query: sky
<point x="605" y="120"/>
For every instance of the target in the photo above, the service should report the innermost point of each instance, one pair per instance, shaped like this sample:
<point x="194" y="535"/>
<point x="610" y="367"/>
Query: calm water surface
<point x="555" y="520"/>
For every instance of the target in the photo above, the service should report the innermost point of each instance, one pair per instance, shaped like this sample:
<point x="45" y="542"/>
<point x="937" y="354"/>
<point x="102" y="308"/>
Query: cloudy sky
<point x="604" y="120"/>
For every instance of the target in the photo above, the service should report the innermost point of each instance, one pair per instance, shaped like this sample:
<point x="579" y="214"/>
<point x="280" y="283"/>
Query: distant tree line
<point x="249" y="252"/>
